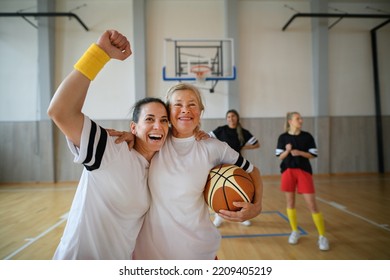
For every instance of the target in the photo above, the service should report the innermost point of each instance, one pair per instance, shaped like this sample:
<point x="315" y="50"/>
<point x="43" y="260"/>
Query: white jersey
<point x="178" y="224"/>
<point x="110" y="202"/>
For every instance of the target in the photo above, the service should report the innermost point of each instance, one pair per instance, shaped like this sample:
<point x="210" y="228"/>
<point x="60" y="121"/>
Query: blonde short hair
<point x="184" y="86"/>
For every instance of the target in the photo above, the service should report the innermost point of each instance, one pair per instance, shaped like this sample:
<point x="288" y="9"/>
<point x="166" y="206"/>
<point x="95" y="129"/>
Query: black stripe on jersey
<point x="239" y="161"/>
<point x="243" y="163"/>
<point x="246" y="166"/>
<point x="101" y="147"/>
<point x="91" y="142"/>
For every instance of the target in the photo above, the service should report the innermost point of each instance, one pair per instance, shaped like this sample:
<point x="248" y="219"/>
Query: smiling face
<point x="151" y="129"/>
<point x="232" y="119"/>
<point x="185" y="112"/>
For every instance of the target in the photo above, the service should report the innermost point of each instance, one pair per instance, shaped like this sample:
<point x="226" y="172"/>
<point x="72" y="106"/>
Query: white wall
<point x="18" y="65"/>
<point x="112" y="92"/>
<point x="274" y="76"/>
<point x="275" y="66"/>
<point x="189" y="19"/>
<point x="274" y="71"/>
<point x="351" y="83"/>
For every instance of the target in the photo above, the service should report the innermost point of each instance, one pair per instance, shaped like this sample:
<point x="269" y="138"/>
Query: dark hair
<point x="239" y="127"/>
<point x="234" y="112"/>
<point x="140" y="103"/>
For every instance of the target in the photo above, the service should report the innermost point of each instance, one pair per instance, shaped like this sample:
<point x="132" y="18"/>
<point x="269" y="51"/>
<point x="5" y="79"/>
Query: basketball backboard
<point x="198" y="60"/>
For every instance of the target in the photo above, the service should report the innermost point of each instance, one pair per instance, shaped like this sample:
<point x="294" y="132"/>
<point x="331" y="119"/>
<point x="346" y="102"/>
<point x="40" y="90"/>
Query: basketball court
<point x="33" y="217"/>
<point x="355" y="202"/>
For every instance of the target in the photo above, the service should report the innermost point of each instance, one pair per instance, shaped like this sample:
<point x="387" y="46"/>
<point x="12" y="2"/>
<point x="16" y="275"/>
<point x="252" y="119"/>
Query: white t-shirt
<point x="178" y="224"/>
<point x="110" y="202"/>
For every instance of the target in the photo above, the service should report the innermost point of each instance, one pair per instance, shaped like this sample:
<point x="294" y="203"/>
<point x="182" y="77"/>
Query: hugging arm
<point x="248" y="210"/>
<point x="126" y="136"/>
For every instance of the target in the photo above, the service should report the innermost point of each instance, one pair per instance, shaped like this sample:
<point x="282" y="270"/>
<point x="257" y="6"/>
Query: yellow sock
<point x="292" y="217"/>
<point x="319" y="222"/>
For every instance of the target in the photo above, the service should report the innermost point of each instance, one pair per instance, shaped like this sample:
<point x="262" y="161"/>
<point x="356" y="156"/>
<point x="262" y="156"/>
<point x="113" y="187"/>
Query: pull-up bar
<point x="327" y="15"/>
<point x="45" y="15"/>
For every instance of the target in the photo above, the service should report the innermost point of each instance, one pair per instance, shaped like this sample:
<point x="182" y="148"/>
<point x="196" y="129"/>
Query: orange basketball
<point x="225" y="184"/>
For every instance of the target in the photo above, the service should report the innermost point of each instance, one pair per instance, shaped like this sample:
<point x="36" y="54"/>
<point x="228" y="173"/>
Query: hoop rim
<point x="200" y="70"/>
<point x="166" y="77"/>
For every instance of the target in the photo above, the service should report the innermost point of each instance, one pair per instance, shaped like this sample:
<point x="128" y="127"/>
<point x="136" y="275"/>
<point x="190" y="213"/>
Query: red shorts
<point x="296" y="179"/>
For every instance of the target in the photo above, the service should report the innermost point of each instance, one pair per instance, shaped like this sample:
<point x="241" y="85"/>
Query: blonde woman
<point x="178" y="224"/>
<point x="295" y="148"/>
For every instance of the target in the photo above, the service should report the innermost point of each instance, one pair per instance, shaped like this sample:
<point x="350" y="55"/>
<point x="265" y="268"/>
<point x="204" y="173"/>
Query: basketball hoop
<point x="201" y="72"/>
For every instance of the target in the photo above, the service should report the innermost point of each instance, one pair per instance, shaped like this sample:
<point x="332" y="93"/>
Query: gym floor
<point x="356" y="210"/>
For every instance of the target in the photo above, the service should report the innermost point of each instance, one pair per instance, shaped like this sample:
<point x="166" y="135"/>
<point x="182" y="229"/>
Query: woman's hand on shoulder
<point x="122" y="136"/>
<point x="201" y="135"/>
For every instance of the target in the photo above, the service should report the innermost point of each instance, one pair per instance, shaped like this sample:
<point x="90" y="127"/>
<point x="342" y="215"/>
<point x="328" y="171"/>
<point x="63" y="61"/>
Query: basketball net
<point x="200" y="72"/>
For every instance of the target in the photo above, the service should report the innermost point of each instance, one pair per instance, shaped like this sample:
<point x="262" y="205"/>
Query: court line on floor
<point x="344" y="209"/>
<point x="32" y="240"/>
<point x="301" y="230"/>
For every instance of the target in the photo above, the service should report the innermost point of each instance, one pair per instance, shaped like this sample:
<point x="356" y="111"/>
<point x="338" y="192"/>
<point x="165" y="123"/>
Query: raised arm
<point x="67" y="102"/>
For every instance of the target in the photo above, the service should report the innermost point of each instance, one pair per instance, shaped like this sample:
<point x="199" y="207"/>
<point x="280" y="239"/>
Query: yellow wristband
<point x="92" y="61"/>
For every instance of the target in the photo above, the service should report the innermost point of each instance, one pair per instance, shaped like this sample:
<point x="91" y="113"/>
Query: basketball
<point x="226" y="184"/>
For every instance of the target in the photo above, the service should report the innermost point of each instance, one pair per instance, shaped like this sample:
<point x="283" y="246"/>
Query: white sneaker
<point x="246" y="223"/>
<point x="294" y="237"/>
<point x="323" y="243"/>
<point x="217" y="221"/>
